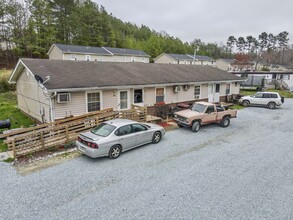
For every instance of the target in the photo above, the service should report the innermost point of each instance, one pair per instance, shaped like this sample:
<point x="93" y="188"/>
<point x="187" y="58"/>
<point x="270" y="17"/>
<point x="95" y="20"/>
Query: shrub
<point x="5" y="86"/>
<point x="265" y="68"/>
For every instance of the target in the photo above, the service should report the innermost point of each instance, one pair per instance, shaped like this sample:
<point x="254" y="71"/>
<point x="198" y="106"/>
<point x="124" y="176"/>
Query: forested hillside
<point x="34" y="25"/>
<point x="29" y="27"/>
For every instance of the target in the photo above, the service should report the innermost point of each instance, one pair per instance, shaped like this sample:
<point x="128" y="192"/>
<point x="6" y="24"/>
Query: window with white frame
<point x="218" y="88"/>
<point x="160" y="95"/>
<point x="93" y="101"/>
<point x="123" y="100"/>
<point x="196" y="92"/>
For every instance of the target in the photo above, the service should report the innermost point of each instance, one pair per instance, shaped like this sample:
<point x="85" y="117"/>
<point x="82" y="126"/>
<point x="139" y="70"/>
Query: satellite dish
<point x="39" y="79"/>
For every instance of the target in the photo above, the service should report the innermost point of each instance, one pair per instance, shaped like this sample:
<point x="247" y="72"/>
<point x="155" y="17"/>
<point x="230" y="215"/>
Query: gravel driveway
<point x="244" y="171"/>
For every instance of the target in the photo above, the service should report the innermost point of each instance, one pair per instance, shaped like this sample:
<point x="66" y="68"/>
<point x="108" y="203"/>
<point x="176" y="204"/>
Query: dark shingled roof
<point x="201" y="58"/>
<point x="99" y="50"/>
<point x="180" y="56"/>
<point x="82" y="49"/>
<point x="123" y="51"/>
<point x="67" y="74"/>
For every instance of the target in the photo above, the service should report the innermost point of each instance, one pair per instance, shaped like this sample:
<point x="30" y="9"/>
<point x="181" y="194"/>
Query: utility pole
<point x="194" y="54"/>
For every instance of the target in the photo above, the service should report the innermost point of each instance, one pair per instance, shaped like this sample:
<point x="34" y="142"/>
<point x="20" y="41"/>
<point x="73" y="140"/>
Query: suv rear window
<point x="267" y="95"/>
<point x="270" y="95"/>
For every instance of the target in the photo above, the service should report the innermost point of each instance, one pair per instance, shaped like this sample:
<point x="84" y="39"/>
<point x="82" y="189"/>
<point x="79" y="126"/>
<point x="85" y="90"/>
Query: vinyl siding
<point x="223" y="89"/>
<point x="31" y="98"/>
<point x="235" y="89"/>
<point x="165" y="59"/>
<point x="206" y="63"/>
<point x="82" y="57"/>
<point x="186" y="62"/>
<point x="150" y="96"/>
<point x="220" y="64"/>
<point x="129" y="58"/>
<point x="77" y="106"/>
<point x="55" y="54"/>
<point x="173" y="97"/>
<point x="204" y="91"/>
<point x="110" y="99"/>
<point x="106" y="58"/>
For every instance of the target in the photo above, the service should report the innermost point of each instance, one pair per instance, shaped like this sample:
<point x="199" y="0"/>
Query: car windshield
<point x="103" y="129"/>
<point x="198" y="107"/>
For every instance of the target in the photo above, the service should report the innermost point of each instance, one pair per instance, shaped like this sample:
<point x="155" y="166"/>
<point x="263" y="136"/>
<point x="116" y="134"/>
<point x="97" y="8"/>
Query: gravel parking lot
<point x="240" y="172"/>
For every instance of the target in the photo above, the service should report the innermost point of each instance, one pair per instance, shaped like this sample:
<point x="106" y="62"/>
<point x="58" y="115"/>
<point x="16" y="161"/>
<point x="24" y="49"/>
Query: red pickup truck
<point x="201" y="113"/>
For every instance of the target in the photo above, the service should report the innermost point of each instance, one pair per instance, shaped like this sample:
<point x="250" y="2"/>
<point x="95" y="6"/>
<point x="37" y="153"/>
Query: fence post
<point x="13" y="148"/>
<point x="67" y="134"/>
<point x="42" y="140"/>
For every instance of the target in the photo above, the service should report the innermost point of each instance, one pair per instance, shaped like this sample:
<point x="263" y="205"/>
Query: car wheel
<point x="272" y="105"/>
<point x="195" y="126"/>
<point x="114" y="152"/>
<point x="157" y="137"/>
<point x="225" y="122"/>
<point x="245" y="103"/>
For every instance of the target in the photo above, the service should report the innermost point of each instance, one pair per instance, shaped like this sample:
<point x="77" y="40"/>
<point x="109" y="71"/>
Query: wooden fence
<point x="30" y="140"/>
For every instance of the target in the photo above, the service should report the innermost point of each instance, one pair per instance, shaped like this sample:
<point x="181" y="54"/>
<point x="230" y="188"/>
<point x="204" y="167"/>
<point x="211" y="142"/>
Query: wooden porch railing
<point x="30" y="140"/>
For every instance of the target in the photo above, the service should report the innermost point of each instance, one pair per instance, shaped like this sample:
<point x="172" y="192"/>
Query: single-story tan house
<point x="99" y="54"/>
<point x="49" y="90"/>
<point x="225" y="64"/>
<point x="186" y="59"/>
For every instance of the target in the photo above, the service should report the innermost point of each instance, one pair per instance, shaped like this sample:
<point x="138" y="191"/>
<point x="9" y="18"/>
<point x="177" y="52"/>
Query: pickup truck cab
<point x="201" y="113"/>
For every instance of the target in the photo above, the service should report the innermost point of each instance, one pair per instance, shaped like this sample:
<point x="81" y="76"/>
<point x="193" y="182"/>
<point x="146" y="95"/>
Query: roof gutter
<point x="140" y="86"/>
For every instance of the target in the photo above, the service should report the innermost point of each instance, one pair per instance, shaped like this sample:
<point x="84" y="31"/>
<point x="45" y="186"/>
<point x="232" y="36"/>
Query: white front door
<point x="217" y="92"/>
<point x="217" y="97"/>
<point x="123" y="100"/>
<point x="211" y="93"/>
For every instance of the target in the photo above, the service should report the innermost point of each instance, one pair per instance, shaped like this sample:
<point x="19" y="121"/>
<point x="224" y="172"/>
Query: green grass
<point x="8" y="110"/>
<point x="247" y="92"/>
<point x="286" y="94"/>
<point x="237" y="107"/>
<point x="5" y="73"/>
<point x="8" y="160"/>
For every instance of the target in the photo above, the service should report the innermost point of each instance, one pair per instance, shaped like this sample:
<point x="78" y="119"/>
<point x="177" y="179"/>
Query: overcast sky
<point x="209" y="20"/>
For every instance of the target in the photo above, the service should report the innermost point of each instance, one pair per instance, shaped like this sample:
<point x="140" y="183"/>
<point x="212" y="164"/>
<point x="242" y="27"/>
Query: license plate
<point x="82" y="148"/>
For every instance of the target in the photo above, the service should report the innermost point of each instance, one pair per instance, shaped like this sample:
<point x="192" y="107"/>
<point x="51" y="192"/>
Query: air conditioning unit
<point x="186" y="87"/>
<point x="63" y="97"/>
<point x="177" y="88"/>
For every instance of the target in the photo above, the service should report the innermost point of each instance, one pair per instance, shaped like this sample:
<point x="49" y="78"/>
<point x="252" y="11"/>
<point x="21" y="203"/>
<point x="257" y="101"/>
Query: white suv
<point x="269" y="99"/>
